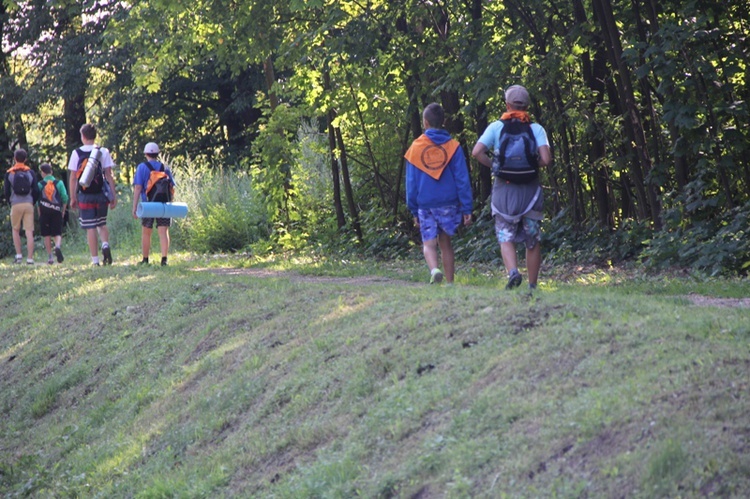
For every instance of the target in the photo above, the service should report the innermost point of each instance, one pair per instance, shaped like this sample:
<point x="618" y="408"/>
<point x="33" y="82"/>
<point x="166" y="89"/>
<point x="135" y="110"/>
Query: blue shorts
<point x="92" y="215"/>
<point x="435" y="220"/>
<point x="527" y="231"/>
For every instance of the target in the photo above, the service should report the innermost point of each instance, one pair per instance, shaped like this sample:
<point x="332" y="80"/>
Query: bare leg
<point x="429" y="248"/>
<point x="510" y="259"/>
<point x="164" y="240"/>
<point x="534" y="262"/>
<point x="30" y="244"/>
<point x="446" y="252"/>
<point x="103" y="233"/>
<point x="48" y="245"/>
<point x="92" y="240"/>
<point x="17" y="240"/>
<point x="146" y="241"/>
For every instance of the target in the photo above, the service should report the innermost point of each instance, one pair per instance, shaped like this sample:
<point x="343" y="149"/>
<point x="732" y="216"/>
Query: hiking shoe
<point x="50" y="262"/>
<point x="29" y="261"/>
<point x="436" y="277"/>
<point x="107" y="255"/>
<point x="143" y="262"/>
<point x="59" y="255"/>
<point x="17" y="259"/>
<point x="514" y="280"/>
<point x="164" y="262"/>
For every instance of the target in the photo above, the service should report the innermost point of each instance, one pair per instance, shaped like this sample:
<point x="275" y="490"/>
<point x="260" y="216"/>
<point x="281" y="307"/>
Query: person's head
<point x="433" y="116"/>
<point x="20" y="156"/>
<point x="151" y="150"/>
<point x="517" y="98"/>
<point x="46" y="169"/>
<point x="88" y="133"/>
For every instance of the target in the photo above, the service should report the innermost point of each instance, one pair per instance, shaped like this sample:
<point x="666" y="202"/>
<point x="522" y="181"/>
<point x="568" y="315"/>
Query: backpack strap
<point x="151" y="168"/>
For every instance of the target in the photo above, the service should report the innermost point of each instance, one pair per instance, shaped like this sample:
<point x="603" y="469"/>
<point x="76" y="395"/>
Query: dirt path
<point x="292" y="276"/>
<point x="695" y="299"/>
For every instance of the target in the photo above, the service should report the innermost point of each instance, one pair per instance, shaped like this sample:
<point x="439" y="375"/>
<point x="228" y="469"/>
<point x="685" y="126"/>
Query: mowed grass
<point x="231" y="377"/>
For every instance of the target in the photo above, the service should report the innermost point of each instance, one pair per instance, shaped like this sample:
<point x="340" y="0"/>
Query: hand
<point x="112" y="204"/>
<point x="416" y="221"/>
<point x="467" y="219"/>
<point x="134" y="213"/>
<point x="73" y="203"/>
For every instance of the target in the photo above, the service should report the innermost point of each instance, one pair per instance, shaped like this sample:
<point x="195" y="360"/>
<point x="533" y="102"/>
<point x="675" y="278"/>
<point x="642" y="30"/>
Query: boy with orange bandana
<point x="438" y="191"/>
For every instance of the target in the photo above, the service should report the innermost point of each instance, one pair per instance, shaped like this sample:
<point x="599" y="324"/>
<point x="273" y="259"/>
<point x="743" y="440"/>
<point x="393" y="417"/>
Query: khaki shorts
<point x="22" y="213"/>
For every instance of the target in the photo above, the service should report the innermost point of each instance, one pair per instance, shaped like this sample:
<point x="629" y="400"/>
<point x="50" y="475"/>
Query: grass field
<point x="234" y="377"/>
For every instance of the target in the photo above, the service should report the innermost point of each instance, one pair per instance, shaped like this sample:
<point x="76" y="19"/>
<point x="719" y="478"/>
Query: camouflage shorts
<point x="527" y="231"/>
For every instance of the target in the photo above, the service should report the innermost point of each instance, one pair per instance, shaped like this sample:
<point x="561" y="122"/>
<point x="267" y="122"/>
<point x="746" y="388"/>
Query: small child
<point x="438" y="191"/>
<point x="52" y="204"/>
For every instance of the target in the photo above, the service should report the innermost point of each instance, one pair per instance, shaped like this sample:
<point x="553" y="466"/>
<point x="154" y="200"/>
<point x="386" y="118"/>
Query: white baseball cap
<point x="151" y="148"/>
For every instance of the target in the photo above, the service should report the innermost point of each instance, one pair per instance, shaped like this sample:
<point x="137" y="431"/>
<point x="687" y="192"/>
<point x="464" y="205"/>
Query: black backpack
<point x="97" y="183"/>
<point x="516" y="158"/>
<point x="21" y="184"/>
<point x="159" y="187"/>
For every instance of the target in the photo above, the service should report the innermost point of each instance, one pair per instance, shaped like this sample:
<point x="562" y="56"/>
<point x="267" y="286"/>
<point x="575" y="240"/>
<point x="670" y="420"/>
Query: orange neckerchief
<point x="429" y="157"/>
<point x="18" y="167"/>
<point x="521" y="116"/>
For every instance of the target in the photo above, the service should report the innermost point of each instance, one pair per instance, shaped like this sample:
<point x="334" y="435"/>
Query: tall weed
<point x="224" y="211"/>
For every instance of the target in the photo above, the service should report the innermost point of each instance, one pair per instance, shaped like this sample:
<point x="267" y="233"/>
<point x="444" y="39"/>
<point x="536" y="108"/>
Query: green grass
<point x="299" y="377"/>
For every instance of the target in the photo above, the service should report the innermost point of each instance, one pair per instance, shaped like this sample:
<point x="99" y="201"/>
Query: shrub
<point x="224" y="211"/>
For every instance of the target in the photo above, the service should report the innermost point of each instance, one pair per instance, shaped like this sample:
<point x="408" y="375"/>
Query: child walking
<point x="52" y="204"/>
<point x="438" y="191"/>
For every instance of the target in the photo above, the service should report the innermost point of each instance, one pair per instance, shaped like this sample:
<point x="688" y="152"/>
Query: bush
<point x="224" y="211"/>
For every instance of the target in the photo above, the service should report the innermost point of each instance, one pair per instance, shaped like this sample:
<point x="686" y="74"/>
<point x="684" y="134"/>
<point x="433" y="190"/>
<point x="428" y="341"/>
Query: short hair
<point x="46" y="168"/>
<point x="88" y="131"/>
<point x="434" y="115"/>
<point x="20" y="155"/>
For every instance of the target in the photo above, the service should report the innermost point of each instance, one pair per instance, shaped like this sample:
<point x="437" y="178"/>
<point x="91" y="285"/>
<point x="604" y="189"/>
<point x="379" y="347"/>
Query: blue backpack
<point x="516" y="158"/>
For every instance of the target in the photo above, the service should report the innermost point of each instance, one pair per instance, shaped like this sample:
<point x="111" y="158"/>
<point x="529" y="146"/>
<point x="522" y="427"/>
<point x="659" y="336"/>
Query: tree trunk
<point x="340" y="218"/>
<point x="633" y="125"/>
<point x="594" y="74"/>
<point x="354" y="212"/>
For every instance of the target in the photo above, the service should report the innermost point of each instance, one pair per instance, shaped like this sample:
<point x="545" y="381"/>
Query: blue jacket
<point x="453" y="187"/>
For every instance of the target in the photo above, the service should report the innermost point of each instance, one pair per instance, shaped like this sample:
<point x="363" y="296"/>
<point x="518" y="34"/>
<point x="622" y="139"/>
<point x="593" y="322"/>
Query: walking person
<point x="153" y="182"/>
<point x="21" y="191"/>
<point x="518" y="149"/>
<point x="94" y="199"/>
<point x="53" y="200"/>
<point x="438" y="191"/>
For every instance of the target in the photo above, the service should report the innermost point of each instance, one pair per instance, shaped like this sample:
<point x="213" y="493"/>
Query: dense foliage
<point x="645" y="104"/>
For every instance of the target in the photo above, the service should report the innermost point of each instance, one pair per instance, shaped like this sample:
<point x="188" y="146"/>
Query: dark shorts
<point x="160" y="222"/>
<point x="50" y="222"/>
<point x="435" y="220"/>
<point x="92" y="215"/>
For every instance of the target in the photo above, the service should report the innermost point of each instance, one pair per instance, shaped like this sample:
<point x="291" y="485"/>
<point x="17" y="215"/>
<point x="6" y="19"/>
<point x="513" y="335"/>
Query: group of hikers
<point x="438" y="192"/>
<point x="438" y="189"/>
<point x="90" y="191"/>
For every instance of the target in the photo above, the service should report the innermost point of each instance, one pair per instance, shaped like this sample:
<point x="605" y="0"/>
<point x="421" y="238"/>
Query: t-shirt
<point x="105" y="159"/>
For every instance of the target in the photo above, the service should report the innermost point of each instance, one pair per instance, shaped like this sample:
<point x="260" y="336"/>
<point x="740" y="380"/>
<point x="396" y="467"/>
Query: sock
<point x="513" y="272"/>
<point x="18" y="256"/>
<point x="105" y="245"/>
<point x="145" y="259"/>
<point x="95" y="260"/>
<point x="532" y="285"/>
